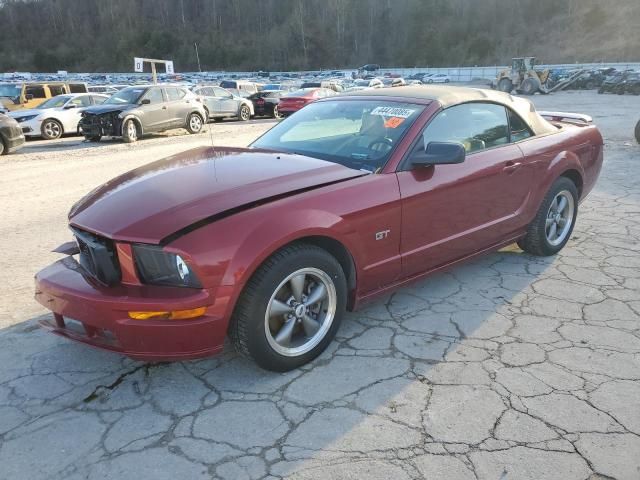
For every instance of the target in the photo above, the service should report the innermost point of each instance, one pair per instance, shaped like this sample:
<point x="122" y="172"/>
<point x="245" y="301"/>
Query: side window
<point x="154" y="95"/>
<point x="98" y="100"/>
<point x="477" y="126"/>
<point x="174" y="93"/>
<point x="57" y="90"/>
<point x="221" y="92"/>
<point x="82" y="101"/>
<point x="519" y="129"/>
<point x="37" y="91"/>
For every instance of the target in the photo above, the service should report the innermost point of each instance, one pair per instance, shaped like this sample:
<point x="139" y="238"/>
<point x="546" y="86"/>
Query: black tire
<point x="637" y="132"/>
<point x="93" y="138"/>
<point x="535" y="242"/>
<point x="195" y="122"/>
<point x="248" y="327"/>
<point x="530" y="86"/>
<point x="3" y="150"/>
<point x="505" y="85"/>
<point x="130" y="131"/>
<point x="244" y="113"/>
<point x="276" y="113"/>
<point x="51" y="129"/>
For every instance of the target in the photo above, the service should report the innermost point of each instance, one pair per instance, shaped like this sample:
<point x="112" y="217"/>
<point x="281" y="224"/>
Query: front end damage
<point x="107" y="124"/>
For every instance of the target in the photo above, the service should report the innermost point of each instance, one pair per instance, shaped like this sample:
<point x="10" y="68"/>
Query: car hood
<point x="100" y="109"/>
<point x="26" y="112"/>
<point x="157" y="200"/>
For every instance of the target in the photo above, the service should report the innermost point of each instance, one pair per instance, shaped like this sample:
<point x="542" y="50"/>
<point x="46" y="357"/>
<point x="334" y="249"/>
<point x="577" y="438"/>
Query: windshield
<point x="10" y="90"/>
<point x="359" y="134"/>
<point x="55" y="102"/>
<point x="128" y="95"/>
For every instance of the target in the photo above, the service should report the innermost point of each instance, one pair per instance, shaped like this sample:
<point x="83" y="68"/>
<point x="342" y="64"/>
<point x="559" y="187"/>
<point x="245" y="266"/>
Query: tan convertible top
<point x="449" y="96"/>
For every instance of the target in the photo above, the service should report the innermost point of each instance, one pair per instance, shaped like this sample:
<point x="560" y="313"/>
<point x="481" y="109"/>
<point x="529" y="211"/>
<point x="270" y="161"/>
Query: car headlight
<point x="157" y="267"/>
<point x="26" y="118"/>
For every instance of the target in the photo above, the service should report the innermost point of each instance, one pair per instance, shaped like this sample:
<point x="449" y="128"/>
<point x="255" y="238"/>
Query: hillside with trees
<point x="102" y="36"/>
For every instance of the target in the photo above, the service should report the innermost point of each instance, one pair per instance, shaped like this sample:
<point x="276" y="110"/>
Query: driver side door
<point x="452" y="211"/>
<point x="228" y="104"/>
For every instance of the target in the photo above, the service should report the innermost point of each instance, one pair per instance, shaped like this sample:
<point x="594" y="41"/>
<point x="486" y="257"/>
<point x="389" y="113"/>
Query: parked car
<point x="138" y="110"/>
<point x="437" y="78"/>
<point x="630" y="84"/>
<point x="11" y="136"/>
<point x="330" y="84"/>
<point x="331" y="208"/>
<point x="239" y="87"/>
<point x="26" y="95"/>
<point x="294" y="101"/>
<point x="102" y="89"/>
<point x="611" y="83"/>
<point x="367" y="83"/>
<point x="56" y="116"/>
<point x="220" y="103"/>
<point x="265" y="103"/>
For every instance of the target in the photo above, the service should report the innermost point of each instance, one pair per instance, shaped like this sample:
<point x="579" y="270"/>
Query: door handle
<point x="511" y="166"/>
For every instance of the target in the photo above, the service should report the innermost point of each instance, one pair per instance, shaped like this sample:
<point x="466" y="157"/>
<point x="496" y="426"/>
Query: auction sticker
<point x="393" y="122"/>
<point x="393" y="112"/>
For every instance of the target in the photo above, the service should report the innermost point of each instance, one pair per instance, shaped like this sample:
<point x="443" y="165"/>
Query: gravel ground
<point x="511" y="367"/>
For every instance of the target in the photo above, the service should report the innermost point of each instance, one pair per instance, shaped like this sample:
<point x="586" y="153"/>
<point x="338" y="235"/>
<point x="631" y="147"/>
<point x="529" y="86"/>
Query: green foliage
<point x="99" y="35"/>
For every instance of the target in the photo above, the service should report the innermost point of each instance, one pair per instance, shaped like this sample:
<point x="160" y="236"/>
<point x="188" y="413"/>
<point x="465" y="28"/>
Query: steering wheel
<point x="387" y="142"/>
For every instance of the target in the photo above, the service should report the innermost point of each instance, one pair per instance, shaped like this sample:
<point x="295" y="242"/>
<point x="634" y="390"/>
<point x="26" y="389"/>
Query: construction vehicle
<point x="526" y="80"/>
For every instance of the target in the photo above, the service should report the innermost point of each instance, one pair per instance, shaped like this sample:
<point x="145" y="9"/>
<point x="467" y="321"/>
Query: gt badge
<point x="382" y="235"/>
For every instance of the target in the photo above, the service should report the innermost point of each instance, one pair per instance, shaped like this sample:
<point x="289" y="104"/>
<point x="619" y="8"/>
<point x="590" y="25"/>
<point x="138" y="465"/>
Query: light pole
<point x="195" y="44"/>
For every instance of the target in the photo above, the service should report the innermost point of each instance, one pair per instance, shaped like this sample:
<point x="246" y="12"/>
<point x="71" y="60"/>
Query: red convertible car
<point x="348" y="198"/>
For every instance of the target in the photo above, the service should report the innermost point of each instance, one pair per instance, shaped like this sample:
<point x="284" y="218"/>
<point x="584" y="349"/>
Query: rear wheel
<point x="245" y="113"/>
<point x="552" y="226"/>
<point x="291" y="308"/>
<point x="51" y="129"/>
<point x="505" y="85"/>
<point x="130" y="131"/>
<point x="194" y="123"/>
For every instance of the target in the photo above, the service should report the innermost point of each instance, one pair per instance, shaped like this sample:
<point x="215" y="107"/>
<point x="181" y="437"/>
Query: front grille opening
<point x="98" y="257"/>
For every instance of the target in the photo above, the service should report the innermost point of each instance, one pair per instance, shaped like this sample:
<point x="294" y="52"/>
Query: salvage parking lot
<point x="510" y="367"/>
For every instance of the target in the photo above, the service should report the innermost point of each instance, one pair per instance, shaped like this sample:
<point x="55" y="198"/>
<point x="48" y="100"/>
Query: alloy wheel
<point x="559" y="217"/>
<point x="52" y="129"/>
<point x="300" y="312"/>
<point x="195" y="123"/>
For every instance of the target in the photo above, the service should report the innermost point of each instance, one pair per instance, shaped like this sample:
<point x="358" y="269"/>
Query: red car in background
<point x="346" y="200"/>
<point x="294" y="101"/>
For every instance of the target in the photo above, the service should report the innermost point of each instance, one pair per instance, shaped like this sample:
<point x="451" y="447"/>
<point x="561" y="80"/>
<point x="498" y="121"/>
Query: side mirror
<point x="145" y="101"/>
<point x="439" y="153"/>
<point x="28" y="97"/>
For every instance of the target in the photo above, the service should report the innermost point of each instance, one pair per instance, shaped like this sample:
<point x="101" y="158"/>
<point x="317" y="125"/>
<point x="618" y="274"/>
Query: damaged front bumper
<point x="105" y="125"/>
<point x="87" y="311"/>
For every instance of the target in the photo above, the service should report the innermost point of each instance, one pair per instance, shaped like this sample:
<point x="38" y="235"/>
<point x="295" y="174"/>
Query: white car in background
<point x="57" y="115"/>
<point x="436" y="78"/>
<point x="361" y="84"/>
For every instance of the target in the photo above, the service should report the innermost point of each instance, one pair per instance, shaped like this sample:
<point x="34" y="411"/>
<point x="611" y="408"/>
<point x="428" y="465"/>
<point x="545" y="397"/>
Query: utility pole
<point x="195" y="44"/>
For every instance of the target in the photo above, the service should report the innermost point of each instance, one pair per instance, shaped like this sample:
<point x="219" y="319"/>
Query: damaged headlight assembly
<point x="157" y="267"/>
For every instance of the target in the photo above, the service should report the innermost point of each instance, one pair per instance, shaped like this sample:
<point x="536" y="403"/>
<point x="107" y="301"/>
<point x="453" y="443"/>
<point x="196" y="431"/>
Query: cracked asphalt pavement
<point x="507" y="368"/>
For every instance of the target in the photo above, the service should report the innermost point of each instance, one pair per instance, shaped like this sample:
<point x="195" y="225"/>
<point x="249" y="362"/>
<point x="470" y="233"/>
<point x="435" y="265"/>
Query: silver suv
<point x="135" y="111"/>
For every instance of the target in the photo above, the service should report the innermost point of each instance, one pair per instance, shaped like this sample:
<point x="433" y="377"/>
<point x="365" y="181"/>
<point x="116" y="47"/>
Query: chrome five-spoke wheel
<point x="300" y="312"/>
<point x="559" y="218"/>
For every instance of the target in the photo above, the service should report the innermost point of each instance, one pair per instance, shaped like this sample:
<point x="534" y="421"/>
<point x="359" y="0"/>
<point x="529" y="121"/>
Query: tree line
<point x="104" y="36"/>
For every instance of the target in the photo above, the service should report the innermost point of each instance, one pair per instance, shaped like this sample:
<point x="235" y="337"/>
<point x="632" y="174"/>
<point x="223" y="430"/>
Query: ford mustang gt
<point x="348" y="198"/>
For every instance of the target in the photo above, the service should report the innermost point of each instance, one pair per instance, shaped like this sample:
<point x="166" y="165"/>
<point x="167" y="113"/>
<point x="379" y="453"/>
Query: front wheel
<point x="291" y="308"/>
<point x="552" y="226"/>
<point x="51" y="129"/>
<point x="194" y="123"/>
<point x="130" y="132"/>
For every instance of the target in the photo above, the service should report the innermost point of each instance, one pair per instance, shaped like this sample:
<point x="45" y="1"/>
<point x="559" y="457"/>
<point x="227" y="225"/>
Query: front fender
<point x="130" y="116"/>
<point x="242" y="242"/>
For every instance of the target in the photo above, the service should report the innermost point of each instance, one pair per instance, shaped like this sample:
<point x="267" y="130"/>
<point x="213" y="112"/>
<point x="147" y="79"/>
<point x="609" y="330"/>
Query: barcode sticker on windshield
<point x="392" y="112"/>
